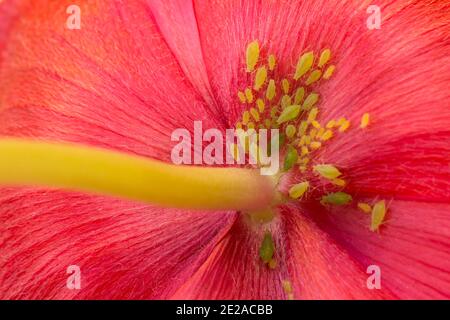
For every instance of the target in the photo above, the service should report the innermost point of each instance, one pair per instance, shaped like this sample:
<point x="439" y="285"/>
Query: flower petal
<point x="322" y="269"/>
<point x="123" y="250"/>
<point x="8" y="13"/>
<point x="399" y="73"/>
<point x="113" y="83"/>
<point x="415" y="167"/>
<point x="411" y="248"/>
<point x="177" y="23"/>
<point x="399" y="76"/>
<point x="284" y="28"/>
<point x="235" y="270"/>
<point x="307" y="257"/>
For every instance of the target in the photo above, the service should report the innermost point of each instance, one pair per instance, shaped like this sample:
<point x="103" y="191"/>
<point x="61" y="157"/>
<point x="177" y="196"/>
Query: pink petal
<point x="234" y="270"/>
<point x="316" y="266"/>
<point x="114" y="83"/>
<point x="399" y="73"/>
<point x="177" y="22"/>
<point x="322" y="269"/>
<point x="401" y="81"/>
<point x="285" y="28"/>
<point x="8" y="13"/>
<point x="409" y="168"/>
<point x="411" y="248"/>
<point x="124" y="250"/>
<point x="414" y="167"/>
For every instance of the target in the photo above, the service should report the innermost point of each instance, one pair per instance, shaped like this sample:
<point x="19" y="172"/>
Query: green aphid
<point x="378" y="214"/>
<point x="267" y="248"/>
<point x="288" y="114"/>
<point x="291" y="158"/>
<point x="336" y="198"/>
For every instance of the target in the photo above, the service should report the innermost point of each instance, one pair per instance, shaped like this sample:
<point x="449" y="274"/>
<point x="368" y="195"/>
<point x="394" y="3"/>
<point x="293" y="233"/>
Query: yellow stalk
<point x="106" y="172"/>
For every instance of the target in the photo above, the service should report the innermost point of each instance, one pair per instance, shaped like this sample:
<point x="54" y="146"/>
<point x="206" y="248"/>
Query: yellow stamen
<point x="313" y="77"/>
<point x="242" y="97"/>
<point x="315" y="124"/>
<point x="113" y="173"/>
<point x="327" y="135"/>
<point x="285" y="85"/>
<point x="249" y="95"/>
<point x="310" y="101"/>
<point x="245" y="117"/>
<point x="304" y="150"/>
<point x="270" y="92"/>
<point x="315" y="145"/>
<point x="307" y="140"/>
<point x="304" y="63"/>
<point x="312" y="114"/>
<point x="302" y="127"/>
<point x="302" y="141"/>
<point x="290" y="131"/>
<point x="365" y="120"/>
<point x="260" y="78"/>
<point x="324" y="57"/>
<point x="252" y="55"/>
<point x="299" y="94"/>
<point x="341" y="121"/>
<point x="364" y="207"/>
<point x="330" y="124"/>
<point x="320" y="133"/>
<point x="272" y="62"/>
<point x="254" y="114"/>
<point x="274" y="112"/>
<point x="285" y="101"/>
<point x="261" y="105"/>
<point x="344" y="126"/>
<point x="303" y="161"/>
<point x="329" y="72"/>
<point x="339" y="182"/>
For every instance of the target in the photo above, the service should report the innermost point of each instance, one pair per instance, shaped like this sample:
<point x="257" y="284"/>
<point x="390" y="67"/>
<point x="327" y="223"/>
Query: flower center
<point x="292" y="105"/>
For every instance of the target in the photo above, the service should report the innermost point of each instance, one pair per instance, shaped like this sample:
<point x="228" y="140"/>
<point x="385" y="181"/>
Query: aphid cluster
<point x="291" y="105"/>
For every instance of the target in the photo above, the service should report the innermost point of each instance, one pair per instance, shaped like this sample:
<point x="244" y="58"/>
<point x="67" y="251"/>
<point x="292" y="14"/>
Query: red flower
<point x="135" y="72"/>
